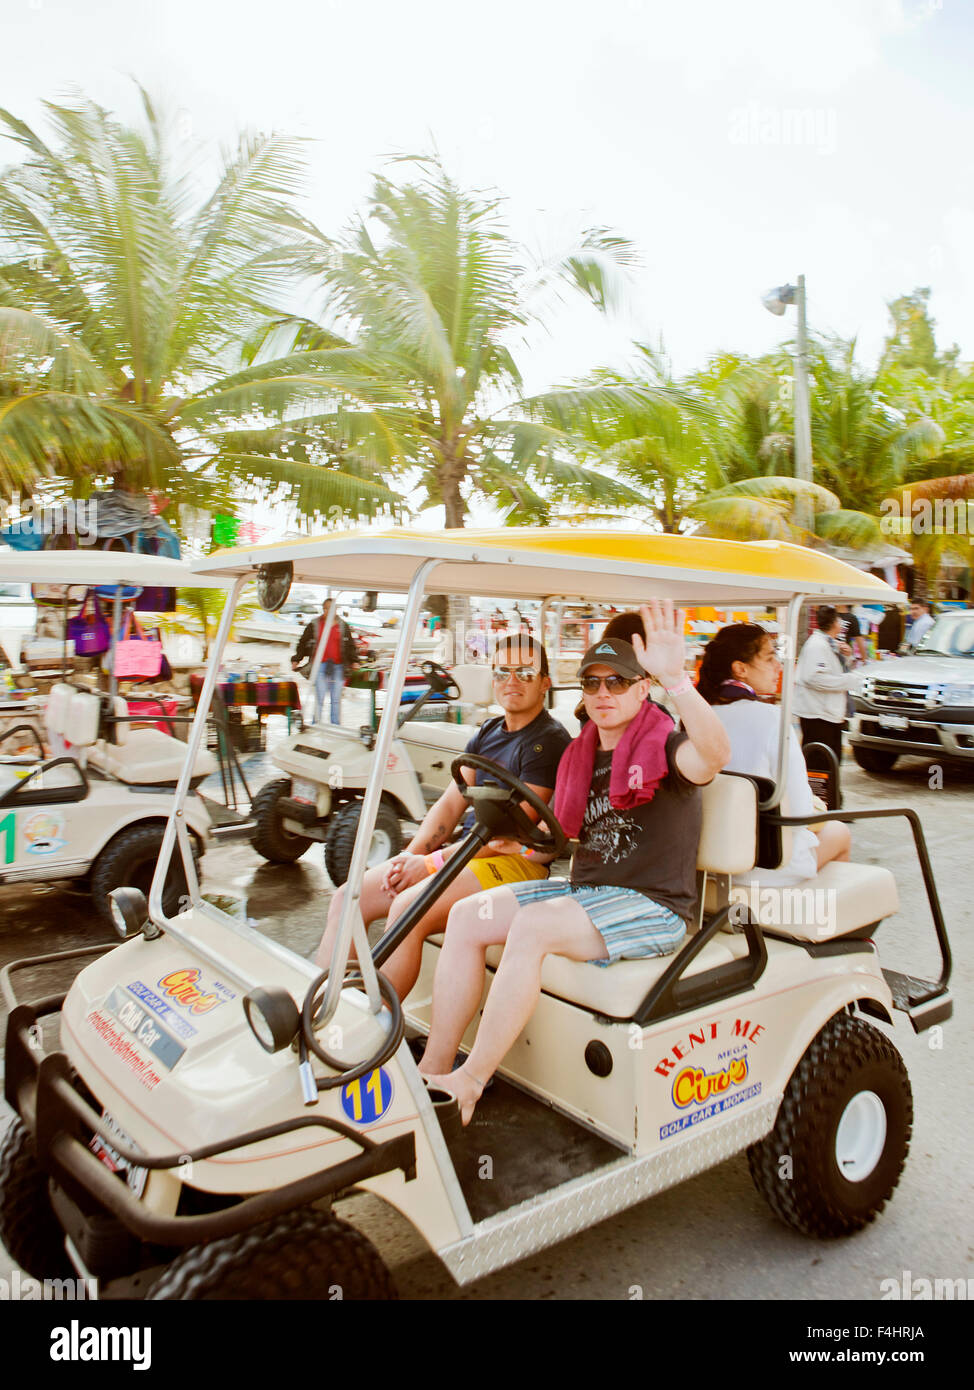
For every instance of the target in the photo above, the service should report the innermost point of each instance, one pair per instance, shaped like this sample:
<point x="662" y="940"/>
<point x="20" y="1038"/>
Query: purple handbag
<point x="89" y="631"/>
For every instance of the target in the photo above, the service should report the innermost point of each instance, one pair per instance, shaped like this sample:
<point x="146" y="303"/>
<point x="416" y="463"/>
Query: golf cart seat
<point x="476" y="690"/>
<point x="841" y="900"/>
<point x="145" y="757"/>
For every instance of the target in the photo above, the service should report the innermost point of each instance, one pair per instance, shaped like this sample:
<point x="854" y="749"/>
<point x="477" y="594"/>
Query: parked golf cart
<point x="326" y="770"/>
<point x="212" y="1092"/>
<point x="90" y="803"/>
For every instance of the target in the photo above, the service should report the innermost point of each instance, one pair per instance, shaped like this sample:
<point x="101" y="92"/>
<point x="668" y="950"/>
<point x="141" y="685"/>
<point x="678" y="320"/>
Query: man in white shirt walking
<point x="821" y="684"/>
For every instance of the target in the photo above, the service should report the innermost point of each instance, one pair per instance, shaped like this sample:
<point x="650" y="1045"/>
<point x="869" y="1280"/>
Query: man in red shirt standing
<point x="339" y="653"/>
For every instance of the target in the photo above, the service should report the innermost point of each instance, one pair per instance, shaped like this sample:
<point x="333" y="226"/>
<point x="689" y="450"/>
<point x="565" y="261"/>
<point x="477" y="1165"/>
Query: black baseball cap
<point x="618" y="655"/>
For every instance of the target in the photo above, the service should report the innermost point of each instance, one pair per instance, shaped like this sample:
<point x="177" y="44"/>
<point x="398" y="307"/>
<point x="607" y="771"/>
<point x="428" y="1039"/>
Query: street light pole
<point x="775" y="301"/>
<point x="803" y="414"/>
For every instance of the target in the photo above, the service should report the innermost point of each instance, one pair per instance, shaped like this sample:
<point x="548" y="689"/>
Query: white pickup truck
<point x="921" y="704"/>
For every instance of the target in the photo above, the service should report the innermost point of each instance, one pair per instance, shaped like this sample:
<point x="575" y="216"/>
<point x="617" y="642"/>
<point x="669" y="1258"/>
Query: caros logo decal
<point x="694" y="1086"/>
<point x="183" y="987"/>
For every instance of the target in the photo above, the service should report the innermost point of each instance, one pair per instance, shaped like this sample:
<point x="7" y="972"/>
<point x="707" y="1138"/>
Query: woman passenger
<point x="740" y="670"/>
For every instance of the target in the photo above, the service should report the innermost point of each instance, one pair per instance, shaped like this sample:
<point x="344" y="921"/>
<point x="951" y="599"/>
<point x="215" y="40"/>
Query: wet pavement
<point x="712" y="1237"/>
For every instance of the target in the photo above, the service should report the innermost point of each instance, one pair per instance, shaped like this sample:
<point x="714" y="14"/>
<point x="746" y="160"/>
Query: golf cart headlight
<point x="273" y="1017"/>
<point x="960" y="694"/>
<point x="130" y="911"/>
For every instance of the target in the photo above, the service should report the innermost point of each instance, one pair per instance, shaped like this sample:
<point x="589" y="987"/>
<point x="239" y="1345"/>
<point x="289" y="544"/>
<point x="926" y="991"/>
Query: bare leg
<point x="479" y="922"/>
<point x="402" y="967"/>
<point x="834" y="842"/>
<point x="374" y="901"/>
<point x="559" y="926"/>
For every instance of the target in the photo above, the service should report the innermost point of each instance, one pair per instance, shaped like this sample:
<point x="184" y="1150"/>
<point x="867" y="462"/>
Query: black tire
<point x="271" y="840"/>
<point x="387" y="839"/>
<point x="797" y="1167"/>
<point x="28" y="1227"/>
<point x="303" y="1254"/>
<point x="874" y="759"/>
<point x="129" y="861"/>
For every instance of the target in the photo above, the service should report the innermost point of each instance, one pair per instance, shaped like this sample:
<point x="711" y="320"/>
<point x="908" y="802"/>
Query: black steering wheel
<point x="439" y="680"/>
<point x="528" y="832"/>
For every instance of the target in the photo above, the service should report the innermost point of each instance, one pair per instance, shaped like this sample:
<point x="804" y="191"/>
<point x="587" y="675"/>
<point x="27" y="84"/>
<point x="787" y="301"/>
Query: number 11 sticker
<point x="367" y="1097"/>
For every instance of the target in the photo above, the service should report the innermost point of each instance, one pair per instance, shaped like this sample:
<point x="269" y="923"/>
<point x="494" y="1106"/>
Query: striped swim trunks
<point x="631" y="925"/>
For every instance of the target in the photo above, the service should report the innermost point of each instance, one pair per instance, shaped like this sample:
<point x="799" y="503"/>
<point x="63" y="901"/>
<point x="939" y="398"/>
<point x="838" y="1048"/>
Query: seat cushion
<point x="618" y="990"/>
<point x="454" y="737"/>
<point x="842" y="898"/>
<point x="148" y="757"/>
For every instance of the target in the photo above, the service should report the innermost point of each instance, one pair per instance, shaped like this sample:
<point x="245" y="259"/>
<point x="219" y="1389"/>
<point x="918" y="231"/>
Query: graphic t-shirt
<point x="653" y="847"/>
<point x="532" y="753"/>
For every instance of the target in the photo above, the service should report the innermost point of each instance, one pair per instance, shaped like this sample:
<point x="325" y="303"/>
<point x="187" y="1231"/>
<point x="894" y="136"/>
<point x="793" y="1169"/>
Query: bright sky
<point x="736" y="142"/>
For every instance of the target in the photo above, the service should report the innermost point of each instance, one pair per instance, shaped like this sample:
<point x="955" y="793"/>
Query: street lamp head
<point x="777" y="300"/>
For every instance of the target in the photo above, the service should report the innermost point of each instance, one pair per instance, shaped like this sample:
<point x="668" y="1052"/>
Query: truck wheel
<point x="276" y="844"/>
<point x="303" y="1254"/>
<point x="129" y="861"/>
<point x="874" y="759"/>
<point x="842" y="1134"/>
<point x="340" y="840"/>
<point x="28" y="1227"/>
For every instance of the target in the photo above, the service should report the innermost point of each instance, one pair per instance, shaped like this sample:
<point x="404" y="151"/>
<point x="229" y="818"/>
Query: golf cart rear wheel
<point x="271" y="840"/>
<point x="874" y="759"/>
<point x="129" y="861"/>
<point x="28" y="1227"/>
<point x="340" y="840"/>
<point x="842" y="1134"/>
<point x="303" y="1254"/>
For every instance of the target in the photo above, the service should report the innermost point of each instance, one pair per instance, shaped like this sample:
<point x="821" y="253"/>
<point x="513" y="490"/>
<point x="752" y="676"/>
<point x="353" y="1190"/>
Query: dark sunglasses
<point x="520" y="673"/>
<point x="615" y="685"/>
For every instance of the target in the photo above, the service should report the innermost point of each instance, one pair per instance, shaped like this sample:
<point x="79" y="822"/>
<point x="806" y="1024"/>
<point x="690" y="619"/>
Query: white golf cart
<point x="326" y="771"/>
<point x="91" y="805"/>
<point x="211" y="1092"/>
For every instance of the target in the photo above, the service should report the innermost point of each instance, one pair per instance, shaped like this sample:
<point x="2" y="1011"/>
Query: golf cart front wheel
<point x="303" y="1254"/>
<point x="277" y="845"/>
<point x="129" y="861"/>
<point x="842" y="1134"/>
<point x="29" y="1229"/>
<point x="340" y="840"/>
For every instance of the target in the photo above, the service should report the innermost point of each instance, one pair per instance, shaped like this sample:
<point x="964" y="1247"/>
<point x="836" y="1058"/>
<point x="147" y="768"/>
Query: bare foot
<point x="465" y="1088"/>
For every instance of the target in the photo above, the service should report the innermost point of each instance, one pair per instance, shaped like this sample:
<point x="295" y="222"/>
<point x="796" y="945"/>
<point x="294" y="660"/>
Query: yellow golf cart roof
<point x="587" y="563"/>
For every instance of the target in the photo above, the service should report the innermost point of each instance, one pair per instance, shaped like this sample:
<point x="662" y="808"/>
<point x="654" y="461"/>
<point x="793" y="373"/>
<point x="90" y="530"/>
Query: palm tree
<point x="427" y="299"/>
<point x="124" y="298"/>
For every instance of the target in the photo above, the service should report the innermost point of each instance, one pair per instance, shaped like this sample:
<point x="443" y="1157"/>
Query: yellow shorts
<point x="503" y="868"/>
<point x="506" y="868"/>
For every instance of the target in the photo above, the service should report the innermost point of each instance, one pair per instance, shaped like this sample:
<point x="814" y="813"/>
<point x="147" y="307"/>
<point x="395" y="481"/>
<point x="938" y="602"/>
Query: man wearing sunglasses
<point x="529" y="743"/>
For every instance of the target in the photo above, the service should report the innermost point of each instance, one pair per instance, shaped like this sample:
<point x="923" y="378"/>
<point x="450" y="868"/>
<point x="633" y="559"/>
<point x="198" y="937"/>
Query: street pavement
<point x="712" y="1237"/>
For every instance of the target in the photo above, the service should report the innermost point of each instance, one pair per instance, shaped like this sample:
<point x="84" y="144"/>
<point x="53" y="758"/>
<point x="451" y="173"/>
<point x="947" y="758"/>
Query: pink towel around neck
<point x="638" y="766"/>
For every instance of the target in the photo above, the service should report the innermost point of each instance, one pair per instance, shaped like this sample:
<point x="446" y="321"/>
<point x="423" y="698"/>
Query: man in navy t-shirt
<point x="524" y="739"/>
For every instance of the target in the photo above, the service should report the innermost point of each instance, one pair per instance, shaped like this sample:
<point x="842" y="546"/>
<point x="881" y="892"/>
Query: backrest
<point x="123" y="732"/>
<point x="56" y="710"/>
<point x="83" y="719"/>
<point x="476" y="685"/>
<point x="732" y="840"/>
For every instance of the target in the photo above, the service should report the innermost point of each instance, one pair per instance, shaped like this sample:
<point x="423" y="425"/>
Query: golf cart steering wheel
<point x="527" y="831"/>
<point x="439" y="681"/>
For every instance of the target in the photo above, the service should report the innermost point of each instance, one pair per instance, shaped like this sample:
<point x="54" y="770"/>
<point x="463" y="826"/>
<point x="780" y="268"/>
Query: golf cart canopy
<point x="91" y="567"/>
<point x="591" y="564"/>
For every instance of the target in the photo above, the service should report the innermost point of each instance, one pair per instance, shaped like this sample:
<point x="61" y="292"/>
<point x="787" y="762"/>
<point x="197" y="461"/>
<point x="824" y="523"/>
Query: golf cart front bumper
<point x="99" y="1211"/>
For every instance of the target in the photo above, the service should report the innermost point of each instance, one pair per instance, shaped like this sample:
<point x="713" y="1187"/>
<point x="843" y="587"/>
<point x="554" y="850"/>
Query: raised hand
<point x="663" y="652"/>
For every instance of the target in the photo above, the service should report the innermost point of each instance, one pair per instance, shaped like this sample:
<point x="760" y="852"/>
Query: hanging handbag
<point x="139" y="655"/>
<point x="90" y="631"/>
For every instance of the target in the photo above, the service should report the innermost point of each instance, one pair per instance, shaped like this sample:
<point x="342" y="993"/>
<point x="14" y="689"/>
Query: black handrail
<point x="817" y="818"/>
